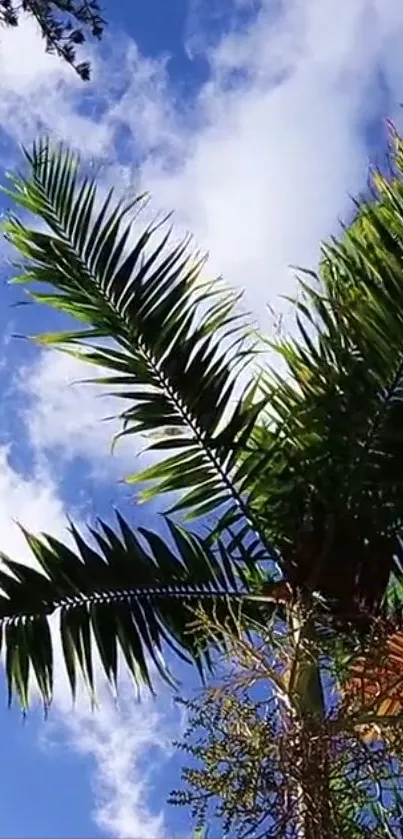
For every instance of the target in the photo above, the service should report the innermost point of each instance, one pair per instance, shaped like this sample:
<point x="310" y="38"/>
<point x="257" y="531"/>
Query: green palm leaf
<point x="130" y="591"/>
<point x="331" y="493"/>
<point x="173" y="344"/>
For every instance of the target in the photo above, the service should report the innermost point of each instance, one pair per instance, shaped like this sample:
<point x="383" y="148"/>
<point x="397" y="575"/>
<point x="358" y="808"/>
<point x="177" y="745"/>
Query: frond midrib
<point x="111" y="597"/>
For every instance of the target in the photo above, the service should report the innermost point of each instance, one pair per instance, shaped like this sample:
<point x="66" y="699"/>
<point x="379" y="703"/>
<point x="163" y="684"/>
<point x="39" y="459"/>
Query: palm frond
<point x="173" y="344"/>
<point x="130" y="591"/>
<point x="373" y="687"/>
<point x="330" y="496"/>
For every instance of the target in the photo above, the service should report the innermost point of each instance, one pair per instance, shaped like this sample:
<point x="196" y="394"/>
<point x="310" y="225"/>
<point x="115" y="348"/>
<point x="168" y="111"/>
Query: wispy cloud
<point x="67" y="417"/>
<point x="40" y="93"/>
<point x="127" y="743"/>
<point x="29" y="499"/>
<point x="281" y="139"/>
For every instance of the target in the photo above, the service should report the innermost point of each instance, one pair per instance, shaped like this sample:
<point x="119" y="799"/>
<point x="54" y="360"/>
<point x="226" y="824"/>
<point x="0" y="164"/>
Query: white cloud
<point x="31" y="500"/>
<point x="68" y="417"/>
<point x="17" y="76"/>
<point x="280" y="144"/>
<point x="126" y="742"/>
<point x="39" y="93"/>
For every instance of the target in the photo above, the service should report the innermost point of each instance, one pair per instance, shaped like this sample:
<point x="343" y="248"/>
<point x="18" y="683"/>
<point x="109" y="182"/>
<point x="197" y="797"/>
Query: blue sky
<point x="255" y="121"/>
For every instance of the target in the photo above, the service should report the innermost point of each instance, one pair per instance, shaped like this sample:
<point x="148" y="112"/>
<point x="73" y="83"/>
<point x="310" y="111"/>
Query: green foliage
<point x="333" y="488"/>
<point x="177" y="345"/>
<point x="172" y="347"/>
<point x="62" y="23"/>
<point x="247" y="756"/>
<point x="305" y="469"/>
<point x="128" y="590"/>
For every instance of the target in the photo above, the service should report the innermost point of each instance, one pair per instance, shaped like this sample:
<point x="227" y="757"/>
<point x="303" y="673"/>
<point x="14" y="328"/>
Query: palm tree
<point x="296" y="478"/>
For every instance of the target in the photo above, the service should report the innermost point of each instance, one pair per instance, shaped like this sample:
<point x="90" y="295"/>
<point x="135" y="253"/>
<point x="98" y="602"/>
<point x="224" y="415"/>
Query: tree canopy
<point x="63" y="24"/>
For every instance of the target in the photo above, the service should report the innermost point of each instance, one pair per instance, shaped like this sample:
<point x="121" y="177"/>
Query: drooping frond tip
<point x="132" y="591"/>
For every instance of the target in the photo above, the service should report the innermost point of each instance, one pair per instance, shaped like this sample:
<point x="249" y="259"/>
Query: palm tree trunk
<point x="312" y="787"/>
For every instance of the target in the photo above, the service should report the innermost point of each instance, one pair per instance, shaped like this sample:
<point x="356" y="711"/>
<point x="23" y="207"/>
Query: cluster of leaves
<point x="238" y="772"/>
<point x="63" y="25"/>
<point x="130" y="589"/>
<point x="248" y="749"/>
<point x="333" y="504"/>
